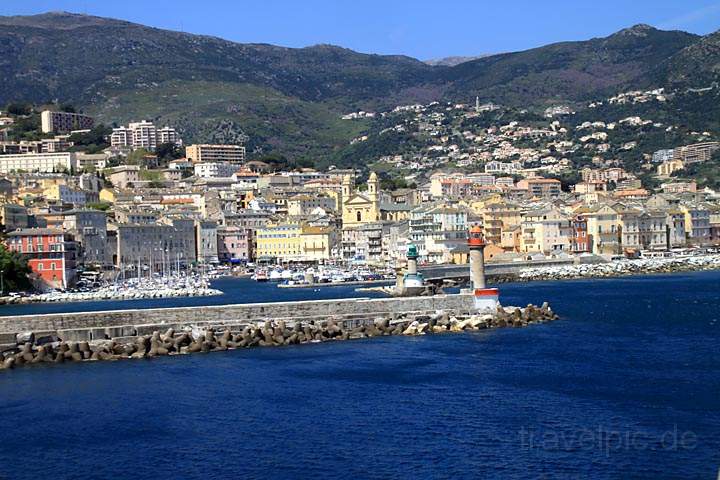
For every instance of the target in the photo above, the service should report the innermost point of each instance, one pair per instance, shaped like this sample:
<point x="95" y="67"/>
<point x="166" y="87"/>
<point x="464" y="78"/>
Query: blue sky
<point x="419" y="28"/>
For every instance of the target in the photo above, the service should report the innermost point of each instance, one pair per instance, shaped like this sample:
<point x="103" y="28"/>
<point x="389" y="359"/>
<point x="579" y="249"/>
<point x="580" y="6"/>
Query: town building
<point x="14" y="217"/>
<point x="547" y="231"/>
<point x="215" y="169"/>
<point x="125" y="176"/>
<point x="206" y="241"/>
<point x="234" y="245"/>
<point x="199" y="153"/>
<point x="540" y="187"/>
<point x="697" y="152"/>
<point x="64" y="122"/>
<point x="51" y="255"/>
<point x="38" y="162"/>
<point x="143" y="134"/>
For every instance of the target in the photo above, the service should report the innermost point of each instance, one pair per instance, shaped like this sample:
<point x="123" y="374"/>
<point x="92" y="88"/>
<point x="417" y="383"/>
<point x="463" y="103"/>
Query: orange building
<point x="51" y="254"/>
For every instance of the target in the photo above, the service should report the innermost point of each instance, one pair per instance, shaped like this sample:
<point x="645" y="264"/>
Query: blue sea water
<point x="235" y="290"/>
<point x="625" y="385"/>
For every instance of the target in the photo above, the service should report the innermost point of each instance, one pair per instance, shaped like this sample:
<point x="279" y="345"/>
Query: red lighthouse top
<point x="476" y="238"/>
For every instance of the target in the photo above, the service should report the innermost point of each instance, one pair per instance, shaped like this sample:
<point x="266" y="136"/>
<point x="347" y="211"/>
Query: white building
<point x="143" y="134"/>
<point x="510" y="168"/>
<point x="37" y="162"/>
<point x="215" y="169"/>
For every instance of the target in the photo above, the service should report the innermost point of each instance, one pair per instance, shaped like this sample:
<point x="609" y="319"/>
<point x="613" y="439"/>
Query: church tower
<point x="346" y="187"/>
<point x="373" y="187"/>
<point x="374" y="195"/>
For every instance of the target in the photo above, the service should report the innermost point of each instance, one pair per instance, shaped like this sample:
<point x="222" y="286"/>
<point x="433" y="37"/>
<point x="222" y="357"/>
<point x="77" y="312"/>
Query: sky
<point x="418" y="28"/>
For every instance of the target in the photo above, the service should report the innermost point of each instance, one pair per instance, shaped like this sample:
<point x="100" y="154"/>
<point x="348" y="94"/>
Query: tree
<point x="136" y="156"/>
<point x="103" y="206"/>
<point x="93" y="141"/>
<point x="15" y="270"/>
<point x="169" y="151"/>
<point x="18" y="108"/>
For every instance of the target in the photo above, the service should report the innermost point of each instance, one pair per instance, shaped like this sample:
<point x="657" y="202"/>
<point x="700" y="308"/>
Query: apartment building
<point x="38" y="162"/>
<point x="546" y="231"/>
<point x="200" y="153"/>
<point x="279" y="241"/>
<point x="437" y="230"/>
<point x="69" y="195"/>
<point x="697" y="152"/>
<point x="540" y="187"/>
<point x="64" y="122"/>
<point x="143" y="134"/>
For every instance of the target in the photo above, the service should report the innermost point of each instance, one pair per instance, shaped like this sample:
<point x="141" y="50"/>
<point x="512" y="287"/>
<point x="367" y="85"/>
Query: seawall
<point x="348" y="313"/>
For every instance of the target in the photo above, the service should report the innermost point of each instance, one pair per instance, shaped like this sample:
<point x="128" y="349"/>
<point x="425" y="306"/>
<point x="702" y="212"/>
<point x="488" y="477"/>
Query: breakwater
<point x="102" y="325"/>
<point x="622" y="267"/>
<point x="32" y="350"/>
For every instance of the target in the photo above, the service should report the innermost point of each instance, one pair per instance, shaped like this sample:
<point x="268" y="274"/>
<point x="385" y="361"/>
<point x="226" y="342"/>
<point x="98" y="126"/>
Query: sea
<point x="625" y="385"/>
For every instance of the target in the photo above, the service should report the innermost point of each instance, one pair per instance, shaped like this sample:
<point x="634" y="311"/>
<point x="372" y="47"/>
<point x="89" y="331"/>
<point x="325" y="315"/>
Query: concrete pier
<point x="141" y="342"/>
<point x="87" y="326"/>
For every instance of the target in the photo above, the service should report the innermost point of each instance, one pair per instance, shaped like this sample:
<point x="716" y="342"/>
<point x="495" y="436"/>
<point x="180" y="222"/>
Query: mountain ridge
<point x="290" y="99"/>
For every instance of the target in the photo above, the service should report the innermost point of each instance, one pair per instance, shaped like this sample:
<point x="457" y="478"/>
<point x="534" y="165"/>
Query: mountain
<point x="289" y="100"/>
<point x="697" y="65"/>
<point x="78" y="56"/>
<point x="567" y="71"/>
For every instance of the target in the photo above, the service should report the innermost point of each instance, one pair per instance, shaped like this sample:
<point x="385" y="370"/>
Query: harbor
<point x="105" y="335"/>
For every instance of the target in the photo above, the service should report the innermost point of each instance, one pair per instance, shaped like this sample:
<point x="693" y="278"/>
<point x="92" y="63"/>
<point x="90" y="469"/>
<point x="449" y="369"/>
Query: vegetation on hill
<point x="14" y="270"/>
<point x="706" y="174"/>
<point x="288" y="101"/>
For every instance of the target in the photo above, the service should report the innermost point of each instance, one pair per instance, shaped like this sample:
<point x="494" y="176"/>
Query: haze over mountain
<point x="290" y="99"/>
<point x="453" y="60"/>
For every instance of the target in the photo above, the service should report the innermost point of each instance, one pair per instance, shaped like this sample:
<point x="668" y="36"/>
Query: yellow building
<point x="499" y="217"/>
<point x="602" y="228"/>
<point x="670" y="166"/>
<point x="292" y="242"/>
<point x="357" y="208"/>
<point x="317" y="243"/>
<point x="278" y="241"/>
<point x="108" y="195"/>
<point x="366" y="208"/>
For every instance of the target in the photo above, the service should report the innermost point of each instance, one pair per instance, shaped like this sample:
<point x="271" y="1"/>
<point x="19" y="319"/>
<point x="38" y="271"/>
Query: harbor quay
<point x="120" y="334"/>
<point x="55" y="338"/>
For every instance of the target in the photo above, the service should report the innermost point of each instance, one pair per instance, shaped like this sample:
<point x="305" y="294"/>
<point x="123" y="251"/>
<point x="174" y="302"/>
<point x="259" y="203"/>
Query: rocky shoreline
<point x="30" y="350"/>
<point x="622" y="268"/>
<point x="111" y="295"/>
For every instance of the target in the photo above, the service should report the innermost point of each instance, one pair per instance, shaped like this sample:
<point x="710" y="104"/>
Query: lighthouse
<point x="485" y="298"/>
<point x="413" y="282"/>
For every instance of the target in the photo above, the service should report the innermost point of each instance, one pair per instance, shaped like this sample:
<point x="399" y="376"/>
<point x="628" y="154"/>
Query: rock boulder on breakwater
<point x="267" y="334"/>
<point x="623" y="267"/>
